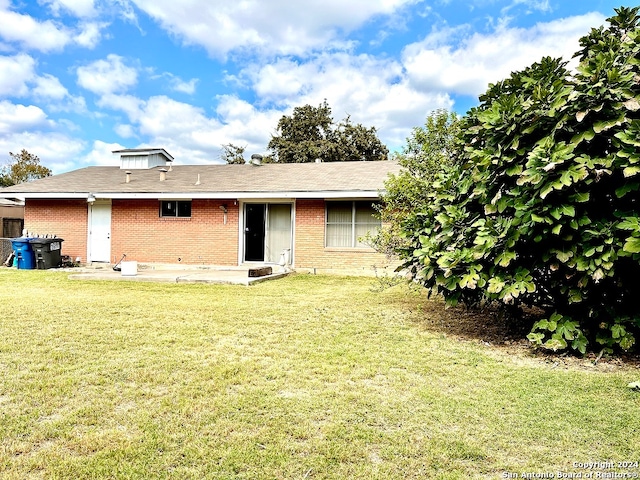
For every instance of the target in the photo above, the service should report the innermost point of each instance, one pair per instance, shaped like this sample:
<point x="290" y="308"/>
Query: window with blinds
<point x="347" y="223"/>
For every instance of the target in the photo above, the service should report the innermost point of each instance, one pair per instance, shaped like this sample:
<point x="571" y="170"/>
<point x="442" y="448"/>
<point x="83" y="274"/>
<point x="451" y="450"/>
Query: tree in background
<point x="23" y="167"/>
<point x="429" y="149"/>
<point x="310" y="134"/>
<point x="540" y="208"/>
<point x="233" y="154"/>
<point x="353" y="143"/>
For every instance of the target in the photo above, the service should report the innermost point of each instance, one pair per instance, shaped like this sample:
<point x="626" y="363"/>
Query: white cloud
<point x="164" y="117"/>
<point x="467" y="65"/>
<point x="51" y="36"/>
<point x="531" y="5"/>
<point x="48" y="86"/>
<point x="79" y="8"/>
<point x="372" y="91"/>
<point x="244" y="124"/>
<point x="125" y="131"/>
<point x="129" y="104"/>
<point x="49" y="89"/>
<point x="31" y="34"/>
<point x="277" y="26"/>
<point x="176" y="83"/>
<point x="183" y="86"/>
<point x="17" y="118"/>
<point x="188" y="132"/>
<point x="15" y="73"/>
<point x="102" y="154"/>
<point x="90" y="34"/>
<point x="56" y="151"/>
<point x="125" y="10"/>
<point x="311" y="60"/>
<point x="284" y="78"/>
<point x="107" y="76"/>
<point x="18" y="79"/>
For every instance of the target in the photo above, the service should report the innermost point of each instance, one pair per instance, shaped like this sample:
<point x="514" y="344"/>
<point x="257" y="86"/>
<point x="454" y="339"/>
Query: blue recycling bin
<point x="24" y="253"/>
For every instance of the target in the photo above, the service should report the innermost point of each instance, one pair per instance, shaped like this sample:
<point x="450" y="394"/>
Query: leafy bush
<point x="429" y="148"/>
<point x="541" y="207"/>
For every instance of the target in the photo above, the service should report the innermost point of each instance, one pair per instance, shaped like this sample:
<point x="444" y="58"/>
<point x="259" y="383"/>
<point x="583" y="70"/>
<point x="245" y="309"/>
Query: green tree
<point x="233" y="154"/>
<point x="23" y="167"/>
<point x="352" y="143"/>
<point x="310" y="134"/>
<point x="429" y="149"/>
<point x="540" y="207"/>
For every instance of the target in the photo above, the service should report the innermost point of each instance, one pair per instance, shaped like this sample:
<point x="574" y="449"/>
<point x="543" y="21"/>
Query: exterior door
<point x="267" y="231"/>
<point x="254" y="226"/>
<point x="99" y="242"/>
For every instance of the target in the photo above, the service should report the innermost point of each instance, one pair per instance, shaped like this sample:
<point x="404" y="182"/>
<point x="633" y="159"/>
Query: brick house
<point x="312" y="214"/>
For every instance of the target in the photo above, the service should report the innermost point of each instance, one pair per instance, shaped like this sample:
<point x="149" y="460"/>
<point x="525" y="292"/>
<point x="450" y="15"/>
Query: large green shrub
<point x="541" y="208"/>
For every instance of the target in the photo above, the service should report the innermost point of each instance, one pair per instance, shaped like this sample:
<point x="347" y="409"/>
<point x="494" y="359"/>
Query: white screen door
<point x="99" y="244"/>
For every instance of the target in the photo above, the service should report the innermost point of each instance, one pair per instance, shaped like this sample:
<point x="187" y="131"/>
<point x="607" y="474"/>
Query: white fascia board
<point x="12" y="196"/>
<point x="238" y="195"/>
<point x="199" y="195"/>
<point x="26" y="195"/>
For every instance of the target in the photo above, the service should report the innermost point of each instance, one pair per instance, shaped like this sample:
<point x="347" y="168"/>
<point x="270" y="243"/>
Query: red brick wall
<point x="65" y="218"/>
<point x="310" y="252"/>
<point x="139" y="232"/>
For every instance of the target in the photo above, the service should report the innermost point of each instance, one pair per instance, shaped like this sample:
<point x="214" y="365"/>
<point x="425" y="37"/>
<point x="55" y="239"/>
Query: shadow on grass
<point x="504" y="332"/>
<point x="486" y="325"/>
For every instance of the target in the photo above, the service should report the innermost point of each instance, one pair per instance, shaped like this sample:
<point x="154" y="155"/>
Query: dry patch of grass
<point x="305" y="377"/>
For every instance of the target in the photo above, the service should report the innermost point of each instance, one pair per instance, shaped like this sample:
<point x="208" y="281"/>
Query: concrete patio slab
<point x="176" y="274"/>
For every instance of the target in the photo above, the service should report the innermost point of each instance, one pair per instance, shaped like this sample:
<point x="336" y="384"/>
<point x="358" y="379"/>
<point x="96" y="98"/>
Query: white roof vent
<point x="256" y="159"/>
<point x="143" y="158"/>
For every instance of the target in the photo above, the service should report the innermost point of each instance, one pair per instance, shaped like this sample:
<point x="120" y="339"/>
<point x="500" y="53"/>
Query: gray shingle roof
<point x="215" y="181"/>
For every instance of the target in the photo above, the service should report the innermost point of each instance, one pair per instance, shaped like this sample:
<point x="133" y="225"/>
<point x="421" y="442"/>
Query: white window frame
<point x="354" y="239"/>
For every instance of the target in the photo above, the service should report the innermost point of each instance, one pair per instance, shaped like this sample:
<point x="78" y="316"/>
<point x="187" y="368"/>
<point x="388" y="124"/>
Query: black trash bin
<point x="47" y="252"/>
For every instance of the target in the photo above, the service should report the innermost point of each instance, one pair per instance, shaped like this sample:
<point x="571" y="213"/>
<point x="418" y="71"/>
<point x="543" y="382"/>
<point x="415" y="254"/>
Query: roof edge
<point x="199" y="195"/>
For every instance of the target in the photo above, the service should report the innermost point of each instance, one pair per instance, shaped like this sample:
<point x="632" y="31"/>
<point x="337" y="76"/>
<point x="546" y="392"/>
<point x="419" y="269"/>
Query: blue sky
<point x="81" y="78"/>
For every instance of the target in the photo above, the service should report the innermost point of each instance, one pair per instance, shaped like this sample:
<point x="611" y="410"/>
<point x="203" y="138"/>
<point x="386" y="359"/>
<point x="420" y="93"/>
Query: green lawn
<point x="306" y="377"/>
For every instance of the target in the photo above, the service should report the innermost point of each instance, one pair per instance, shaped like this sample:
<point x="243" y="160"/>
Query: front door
<point x="99" y="241"/>
<point x="267" y="232"/>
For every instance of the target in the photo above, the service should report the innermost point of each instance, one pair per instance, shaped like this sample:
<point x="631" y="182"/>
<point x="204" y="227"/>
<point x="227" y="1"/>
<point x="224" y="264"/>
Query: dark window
<point x="175" y="208"/>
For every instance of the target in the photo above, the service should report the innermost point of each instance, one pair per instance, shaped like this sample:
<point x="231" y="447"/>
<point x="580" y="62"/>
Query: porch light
<point x="225" y="210"/>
